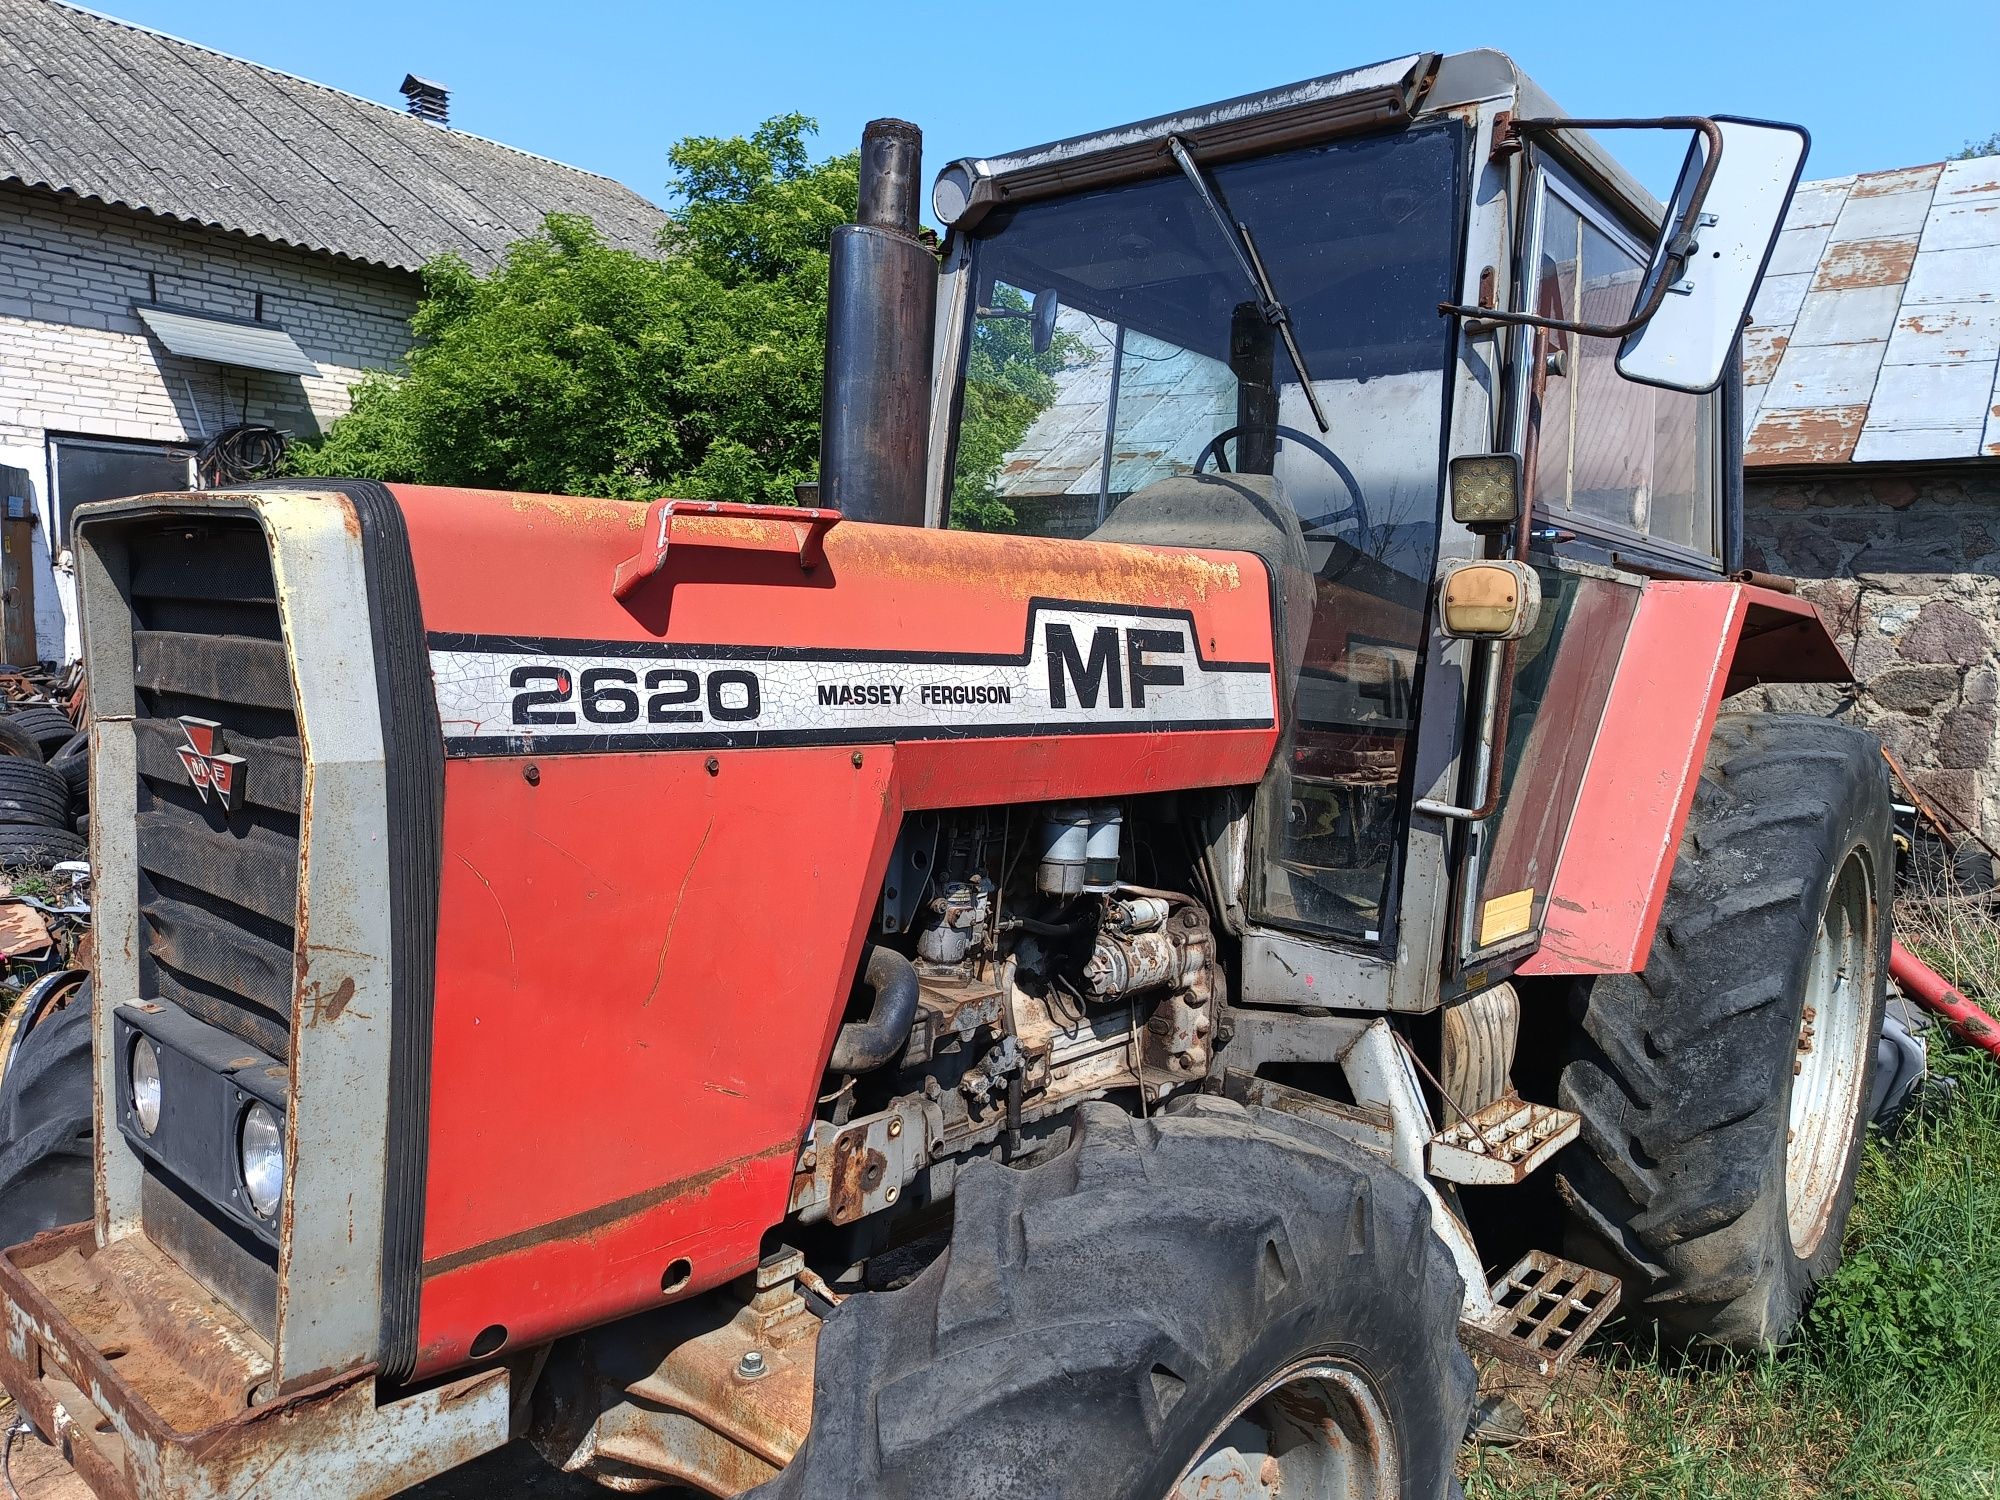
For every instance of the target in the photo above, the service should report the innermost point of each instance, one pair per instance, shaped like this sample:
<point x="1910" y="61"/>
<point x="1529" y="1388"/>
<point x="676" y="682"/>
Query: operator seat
<point x="1234" y="513"/>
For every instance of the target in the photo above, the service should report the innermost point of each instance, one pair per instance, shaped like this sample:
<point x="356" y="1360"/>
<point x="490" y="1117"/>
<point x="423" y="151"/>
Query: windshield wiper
<point x="1237" y="234"/>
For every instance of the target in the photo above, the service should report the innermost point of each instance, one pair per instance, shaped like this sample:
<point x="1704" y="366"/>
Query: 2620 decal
<point x="542" y="693"/>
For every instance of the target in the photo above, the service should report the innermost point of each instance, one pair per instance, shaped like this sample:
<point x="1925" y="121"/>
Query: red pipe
<point x="1930" y="988"/>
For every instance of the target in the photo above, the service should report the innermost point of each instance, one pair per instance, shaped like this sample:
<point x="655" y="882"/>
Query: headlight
<point x="261" y="1146"/>
<point x="146" y="1085"/>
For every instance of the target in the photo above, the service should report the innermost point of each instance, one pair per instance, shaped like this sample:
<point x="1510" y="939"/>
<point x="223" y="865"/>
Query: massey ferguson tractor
<point x="1125" y="1002"/>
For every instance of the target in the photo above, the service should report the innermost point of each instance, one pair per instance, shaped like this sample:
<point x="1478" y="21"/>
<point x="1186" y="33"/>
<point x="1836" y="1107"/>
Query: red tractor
<point x="1115" y="1003"/>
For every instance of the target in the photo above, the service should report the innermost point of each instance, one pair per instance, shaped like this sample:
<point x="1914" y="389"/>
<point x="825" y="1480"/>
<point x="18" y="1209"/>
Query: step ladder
<point x="1500" y="1144"/>
<point x="1544" y="1312"/>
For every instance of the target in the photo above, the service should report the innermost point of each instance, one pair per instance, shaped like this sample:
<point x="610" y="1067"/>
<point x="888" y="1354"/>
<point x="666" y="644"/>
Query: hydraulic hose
<point x="1931" y="989"/>
<point x="863" y="1046"/>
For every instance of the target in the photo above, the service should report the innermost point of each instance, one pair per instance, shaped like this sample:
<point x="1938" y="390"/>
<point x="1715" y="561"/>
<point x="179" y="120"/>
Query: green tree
<point x="580" y="368"/>
<point x="1975" y="149"/>
<point x="576" y="367"/>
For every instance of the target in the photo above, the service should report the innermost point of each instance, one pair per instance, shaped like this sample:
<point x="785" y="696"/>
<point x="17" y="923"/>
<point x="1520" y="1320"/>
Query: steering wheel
<point x="1354" y="514"/>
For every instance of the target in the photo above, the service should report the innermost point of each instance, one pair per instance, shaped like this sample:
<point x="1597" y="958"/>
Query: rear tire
<point x="46" y="1122"/>
<point x="1695" y="1178"/>
<point x="1100" y="1320"/>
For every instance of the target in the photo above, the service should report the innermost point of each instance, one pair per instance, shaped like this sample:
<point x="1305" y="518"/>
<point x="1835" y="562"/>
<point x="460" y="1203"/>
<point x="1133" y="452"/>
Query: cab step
<point x="1500" y="1144"/>
<point x="1544" y="1311"/>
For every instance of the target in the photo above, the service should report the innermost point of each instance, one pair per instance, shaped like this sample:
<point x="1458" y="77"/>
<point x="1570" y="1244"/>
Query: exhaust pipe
<point x="875" y="406"/>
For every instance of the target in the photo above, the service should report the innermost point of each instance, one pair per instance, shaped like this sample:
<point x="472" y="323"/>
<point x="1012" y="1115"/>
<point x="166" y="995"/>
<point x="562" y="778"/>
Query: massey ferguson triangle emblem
<point x="208" y="770"/>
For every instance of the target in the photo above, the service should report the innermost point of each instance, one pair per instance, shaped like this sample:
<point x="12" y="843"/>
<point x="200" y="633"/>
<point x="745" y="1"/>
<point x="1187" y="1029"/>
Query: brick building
<point x="189" y="241"/>
<point x="1872" y="383"/>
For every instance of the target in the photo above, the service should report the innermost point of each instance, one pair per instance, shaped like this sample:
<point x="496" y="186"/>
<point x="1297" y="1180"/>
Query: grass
<point x="1892" y="1388"/>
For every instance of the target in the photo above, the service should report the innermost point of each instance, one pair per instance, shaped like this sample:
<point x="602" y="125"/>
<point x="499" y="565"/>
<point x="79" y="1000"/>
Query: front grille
<point x="218" y="889"/>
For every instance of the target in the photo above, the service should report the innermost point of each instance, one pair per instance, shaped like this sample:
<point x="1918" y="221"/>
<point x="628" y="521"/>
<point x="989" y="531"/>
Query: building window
<point x="85" y="469"/>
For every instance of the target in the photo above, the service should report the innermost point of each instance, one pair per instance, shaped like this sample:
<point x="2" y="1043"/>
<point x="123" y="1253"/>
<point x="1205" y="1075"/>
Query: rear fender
<point x="1690" y="646"/>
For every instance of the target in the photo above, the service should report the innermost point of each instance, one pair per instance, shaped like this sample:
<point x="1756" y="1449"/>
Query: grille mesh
<point x="218" y="890"/>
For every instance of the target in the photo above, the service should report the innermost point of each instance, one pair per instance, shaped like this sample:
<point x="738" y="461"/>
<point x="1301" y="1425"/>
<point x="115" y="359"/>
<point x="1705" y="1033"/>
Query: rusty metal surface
<point x="126" y="1365"/>
<point x="723" y="1409"/>
<point x="1499" y="1145"/>
<point x="1544" y="1311"/>
<point x="1876" y="335"/>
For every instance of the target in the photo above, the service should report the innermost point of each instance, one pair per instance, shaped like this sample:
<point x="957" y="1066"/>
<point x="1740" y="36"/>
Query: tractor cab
<point x="1418" y="303"/>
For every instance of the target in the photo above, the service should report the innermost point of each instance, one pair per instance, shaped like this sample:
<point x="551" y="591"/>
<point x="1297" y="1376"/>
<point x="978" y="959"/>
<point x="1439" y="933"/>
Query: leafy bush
<point x="580" y="368"/>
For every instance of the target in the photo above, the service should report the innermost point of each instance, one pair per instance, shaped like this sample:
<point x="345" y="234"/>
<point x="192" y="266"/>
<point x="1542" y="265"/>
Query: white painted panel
<point x="1817" y="202"/>
<point x="1971" y="225"/>
<point x="1798" y="250"/>
<point x="1753" y="403"/>
<point x="1953" y="276"/>
<point x="1851" y="315"/>
<point x="1825" y="375"/>
<point x="1878" y="445"/>
<point x="1942" y="332"/>
<point x="1762" y="349"/>
<point x="1965" y="180"/>
<point x="1943" y="398"/>
<point x="1778" y="299"/>
<point x="1874" y="216"/>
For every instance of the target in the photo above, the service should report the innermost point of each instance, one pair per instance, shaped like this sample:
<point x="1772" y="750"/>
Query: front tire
<point x="47" y="1123"/>
<point x="1148" y="1313"/>
<point x="1723" y="1089"/>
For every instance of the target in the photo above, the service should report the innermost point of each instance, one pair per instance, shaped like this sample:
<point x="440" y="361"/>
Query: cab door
<point x="1622" y="480"/>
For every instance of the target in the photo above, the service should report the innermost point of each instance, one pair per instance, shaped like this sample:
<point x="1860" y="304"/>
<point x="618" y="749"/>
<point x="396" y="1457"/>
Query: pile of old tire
<point x="42" y="804"/>
<point x="48" y="726"/>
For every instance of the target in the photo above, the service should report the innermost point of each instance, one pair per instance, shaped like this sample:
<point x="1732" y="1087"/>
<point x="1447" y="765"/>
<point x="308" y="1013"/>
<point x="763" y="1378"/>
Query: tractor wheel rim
<point x="1316" y="1430"/>
<point x="1831" y="1057"/>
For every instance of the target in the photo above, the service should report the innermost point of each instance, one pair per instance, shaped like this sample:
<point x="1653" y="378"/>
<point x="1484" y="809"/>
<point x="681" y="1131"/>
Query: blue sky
<point x="610" y="84"/>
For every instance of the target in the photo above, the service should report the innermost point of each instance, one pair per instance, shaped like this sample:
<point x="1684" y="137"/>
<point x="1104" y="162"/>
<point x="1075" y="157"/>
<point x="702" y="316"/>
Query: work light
<point x="261" y="1146"/>
<point x="145" y="1086"/>
<point x="1485" y="490"/>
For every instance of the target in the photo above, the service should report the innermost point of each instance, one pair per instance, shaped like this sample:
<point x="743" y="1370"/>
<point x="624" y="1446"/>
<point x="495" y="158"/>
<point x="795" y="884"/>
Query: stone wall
<point x="76" y="360"/>
<point x="1906" y="567"/>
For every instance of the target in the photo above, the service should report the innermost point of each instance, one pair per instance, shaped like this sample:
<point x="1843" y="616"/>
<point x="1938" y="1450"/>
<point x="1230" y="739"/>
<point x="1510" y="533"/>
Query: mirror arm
<point x="1677" y="248"/>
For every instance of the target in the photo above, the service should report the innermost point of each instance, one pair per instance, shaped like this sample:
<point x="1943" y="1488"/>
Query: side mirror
<point x="1720" y="228"/>
<point x="1044" y="314"/>
<point x="1489" y="601"/>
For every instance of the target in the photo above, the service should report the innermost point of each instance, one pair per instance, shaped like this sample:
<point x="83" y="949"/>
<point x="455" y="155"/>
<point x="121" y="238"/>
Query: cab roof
<point x="1399" y="91"/>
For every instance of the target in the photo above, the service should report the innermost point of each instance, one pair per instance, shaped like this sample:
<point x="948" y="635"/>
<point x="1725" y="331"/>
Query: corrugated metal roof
<point x="110" y="111"/>
<point x="225" y="341"/>
<point x="1876" y="336"/>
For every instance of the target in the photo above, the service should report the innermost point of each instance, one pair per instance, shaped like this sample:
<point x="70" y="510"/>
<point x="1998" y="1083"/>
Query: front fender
<point x="1689" y="647"/>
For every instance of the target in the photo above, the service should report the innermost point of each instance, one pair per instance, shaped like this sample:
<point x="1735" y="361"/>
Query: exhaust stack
<point x="880" y="320"/>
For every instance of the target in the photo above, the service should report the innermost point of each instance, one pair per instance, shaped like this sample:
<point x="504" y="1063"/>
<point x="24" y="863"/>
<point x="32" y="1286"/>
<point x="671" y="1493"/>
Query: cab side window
<point x="1606" y="456"/>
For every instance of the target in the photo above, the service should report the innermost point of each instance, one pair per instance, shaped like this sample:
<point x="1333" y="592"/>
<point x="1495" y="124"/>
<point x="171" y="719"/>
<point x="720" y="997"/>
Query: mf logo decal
<point x="207" y="767"/>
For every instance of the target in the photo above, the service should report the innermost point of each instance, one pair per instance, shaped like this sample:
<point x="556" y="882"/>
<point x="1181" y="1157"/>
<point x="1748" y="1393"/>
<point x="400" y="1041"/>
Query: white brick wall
<point x="75" y="360"/>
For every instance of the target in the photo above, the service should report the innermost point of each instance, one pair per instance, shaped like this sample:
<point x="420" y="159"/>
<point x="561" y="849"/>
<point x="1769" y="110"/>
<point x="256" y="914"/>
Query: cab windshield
<point x="1116" y="341"/>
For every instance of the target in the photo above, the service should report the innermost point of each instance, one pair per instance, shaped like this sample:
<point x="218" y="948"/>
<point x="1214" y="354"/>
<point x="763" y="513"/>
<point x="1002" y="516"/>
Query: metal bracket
<point x="809" y="528"/>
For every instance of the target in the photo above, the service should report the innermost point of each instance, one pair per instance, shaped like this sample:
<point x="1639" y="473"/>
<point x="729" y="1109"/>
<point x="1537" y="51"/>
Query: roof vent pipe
<point x="426" y="100"/>
<point x="881" y="314"/>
